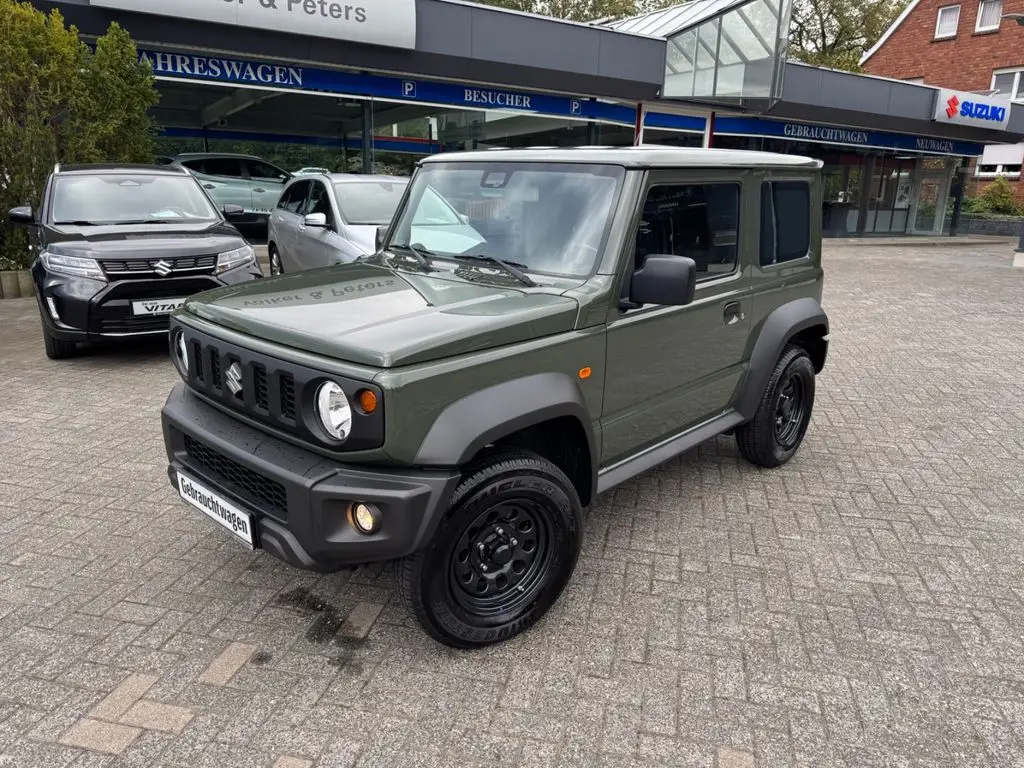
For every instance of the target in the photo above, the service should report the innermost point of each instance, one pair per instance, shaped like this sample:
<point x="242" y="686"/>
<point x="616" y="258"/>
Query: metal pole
<point x="367" y="143"/>
<point x="593" y="133"/>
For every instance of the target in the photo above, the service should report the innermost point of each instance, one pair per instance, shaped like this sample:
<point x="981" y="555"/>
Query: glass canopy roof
<point x="725" y="51"/>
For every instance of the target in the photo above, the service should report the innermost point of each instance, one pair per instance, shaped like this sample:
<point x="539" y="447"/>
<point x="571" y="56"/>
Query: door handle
<point x="210" y="186"/>
<point x="733" y="313"/>
<point x="259" y="189"/>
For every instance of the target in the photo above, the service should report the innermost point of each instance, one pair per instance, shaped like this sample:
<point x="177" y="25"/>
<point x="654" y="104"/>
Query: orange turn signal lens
<point x="584" y="373"/>
<point x="367" y="401"/>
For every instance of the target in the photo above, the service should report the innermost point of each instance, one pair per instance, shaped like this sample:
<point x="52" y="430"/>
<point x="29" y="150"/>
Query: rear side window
<point x="222" y="166"/>
<point x="785" y="221"/>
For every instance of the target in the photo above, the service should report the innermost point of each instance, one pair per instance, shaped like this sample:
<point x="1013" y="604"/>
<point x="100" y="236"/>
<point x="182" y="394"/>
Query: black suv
<point x="119" y="247"/>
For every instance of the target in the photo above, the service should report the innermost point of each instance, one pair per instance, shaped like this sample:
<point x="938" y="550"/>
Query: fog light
<point x="52" y="305"/>
<point x="365" y="518"/>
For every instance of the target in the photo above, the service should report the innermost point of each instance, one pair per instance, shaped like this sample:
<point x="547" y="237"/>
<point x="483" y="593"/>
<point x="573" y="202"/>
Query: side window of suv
<point x="260" y="170"/>
<point x="700" y="221"/>
<point x="785" y="221"/>
<point x="222" y="166"/>
<point x="319" y="202"/>
<point x="294" y="197"/>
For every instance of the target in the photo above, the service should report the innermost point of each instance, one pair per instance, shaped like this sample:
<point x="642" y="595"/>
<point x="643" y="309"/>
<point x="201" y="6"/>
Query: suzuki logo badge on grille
<point x="234" y="379"/>
<point x="163" y="268"/>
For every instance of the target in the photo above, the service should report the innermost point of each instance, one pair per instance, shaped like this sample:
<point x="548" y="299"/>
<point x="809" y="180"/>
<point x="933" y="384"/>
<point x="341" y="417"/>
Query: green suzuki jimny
<point x="535" y="327"/>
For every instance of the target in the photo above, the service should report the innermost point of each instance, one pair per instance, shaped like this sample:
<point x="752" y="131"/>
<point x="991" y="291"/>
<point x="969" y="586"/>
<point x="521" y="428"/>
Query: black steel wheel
<point x="500" y="557"/>
<point x="777" y="430"/>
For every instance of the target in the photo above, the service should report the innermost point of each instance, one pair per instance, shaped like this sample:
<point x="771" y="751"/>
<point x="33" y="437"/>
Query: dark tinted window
<point x="785" y="221"/>
<point x="696" y="220"/>
<point x="260" y="170"/>
<point x="294" y="197"/>
<point x="319" y="202"/>
<point x="222" y="166"/>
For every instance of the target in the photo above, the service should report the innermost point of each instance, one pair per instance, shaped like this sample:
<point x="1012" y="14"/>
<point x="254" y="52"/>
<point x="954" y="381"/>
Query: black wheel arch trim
<point x="778" y="328"/>
<point x="469" y="424"/>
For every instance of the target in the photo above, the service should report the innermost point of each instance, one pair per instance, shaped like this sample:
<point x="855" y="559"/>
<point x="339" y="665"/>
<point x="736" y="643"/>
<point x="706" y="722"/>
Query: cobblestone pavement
<point x="863" y="606"/>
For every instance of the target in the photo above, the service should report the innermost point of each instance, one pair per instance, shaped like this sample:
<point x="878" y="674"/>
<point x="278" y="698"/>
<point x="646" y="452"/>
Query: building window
<point x="1008" y="83"/>
<point x="785" y="221"/>
<point x="947" y="22"/>
<point x="990" y="13"/>
<point x="700" y="221"/>
<point x="990" y="171"/>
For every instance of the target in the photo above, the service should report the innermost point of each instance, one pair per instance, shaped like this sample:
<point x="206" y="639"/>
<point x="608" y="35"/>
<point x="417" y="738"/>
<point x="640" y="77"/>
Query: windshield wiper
<point x="512" y="267"/>
<point x="420" y="254"/>
<point x="77" y="223"/>
<point x="147" y="221"/>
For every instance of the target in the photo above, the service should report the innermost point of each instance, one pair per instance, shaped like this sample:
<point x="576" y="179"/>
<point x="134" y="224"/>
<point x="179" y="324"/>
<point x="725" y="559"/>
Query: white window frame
<point x="914" y="80"/>
<point x="1018" y="71"/>
<point x="999" y="171"/>
<point x="938" y="22"/>
<point x="977" y="23"/>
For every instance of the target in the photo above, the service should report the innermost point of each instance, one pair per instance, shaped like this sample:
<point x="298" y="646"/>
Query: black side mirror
<point x="382" y="232"/>
<point x="21" y="215"/>
<point x="233" y="211"/>
<point x="666" y="280"/>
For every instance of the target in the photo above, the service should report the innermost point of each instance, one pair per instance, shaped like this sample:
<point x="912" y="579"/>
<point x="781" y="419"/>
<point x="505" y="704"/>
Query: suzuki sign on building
<point x="965" y="108"/>
<point x="377" y="22"/>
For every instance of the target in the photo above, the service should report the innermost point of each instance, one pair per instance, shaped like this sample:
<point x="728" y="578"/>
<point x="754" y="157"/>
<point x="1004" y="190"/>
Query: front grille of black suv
<point x="274" y="392"/>
<point x="132" y="268"/>
<point x="265" y="494"/>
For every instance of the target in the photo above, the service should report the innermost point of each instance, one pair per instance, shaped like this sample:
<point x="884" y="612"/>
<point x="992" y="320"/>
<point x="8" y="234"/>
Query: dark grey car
<point x="330" y="219"/>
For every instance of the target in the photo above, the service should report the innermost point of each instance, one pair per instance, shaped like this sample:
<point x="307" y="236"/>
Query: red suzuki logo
<point x="952" y="106"/>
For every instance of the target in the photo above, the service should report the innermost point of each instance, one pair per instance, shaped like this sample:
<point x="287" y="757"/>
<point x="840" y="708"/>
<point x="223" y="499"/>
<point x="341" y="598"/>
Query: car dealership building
<point x="708" y="72"/>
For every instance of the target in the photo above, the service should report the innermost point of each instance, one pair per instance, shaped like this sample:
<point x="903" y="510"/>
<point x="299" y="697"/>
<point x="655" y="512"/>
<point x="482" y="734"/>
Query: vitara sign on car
<point x="378" y="22"/>
<point x="964" y="108"/>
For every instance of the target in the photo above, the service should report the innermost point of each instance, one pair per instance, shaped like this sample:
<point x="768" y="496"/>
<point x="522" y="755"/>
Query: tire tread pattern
<point x="756" y="438"/>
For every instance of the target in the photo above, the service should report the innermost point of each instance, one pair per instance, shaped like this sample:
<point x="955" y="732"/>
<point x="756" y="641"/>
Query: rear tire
<point x="501" y="556"/>
<point x="777" y="430"/>
<point x="56" y="349"/>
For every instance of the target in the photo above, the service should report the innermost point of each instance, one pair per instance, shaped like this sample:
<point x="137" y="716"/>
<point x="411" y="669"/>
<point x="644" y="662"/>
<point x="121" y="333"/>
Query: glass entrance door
<point x="890" y="195"/>
<point x="933" y="195"/>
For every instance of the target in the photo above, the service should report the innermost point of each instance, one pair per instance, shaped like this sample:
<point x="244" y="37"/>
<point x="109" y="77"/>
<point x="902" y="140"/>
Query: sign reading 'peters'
<point x="377" y="22"/>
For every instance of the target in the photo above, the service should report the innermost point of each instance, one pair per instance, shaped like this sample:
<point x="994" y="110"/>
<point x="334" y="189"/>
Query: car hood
<point x="140" y="241"/>
<point x="372" y="315"/>
<point x="362" y="236"/>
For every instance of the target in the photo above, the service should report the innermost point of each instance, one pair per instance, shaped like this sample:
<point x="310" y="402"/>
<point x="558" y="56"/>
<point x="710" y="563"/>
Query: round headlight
<point x="334" y="411"/>
<point x="181" y="353"/>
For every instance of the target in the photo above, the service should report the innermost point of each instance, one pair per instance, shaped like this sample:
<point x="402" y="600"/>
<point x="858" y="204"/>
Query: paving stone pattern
<point x="860" y="607"/>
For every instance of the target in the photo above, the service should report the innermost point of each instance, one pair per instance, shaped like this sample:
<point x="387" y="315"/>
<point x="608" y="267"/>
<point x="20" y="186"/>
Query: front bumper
<point x="82" y="309"/>
<point x="300" y="500"/>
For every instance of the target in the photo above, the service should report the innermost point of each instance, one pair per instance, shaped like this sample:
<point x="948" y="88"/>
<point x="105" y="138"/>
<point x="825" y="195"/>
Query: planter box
<point x="16" y="284"/>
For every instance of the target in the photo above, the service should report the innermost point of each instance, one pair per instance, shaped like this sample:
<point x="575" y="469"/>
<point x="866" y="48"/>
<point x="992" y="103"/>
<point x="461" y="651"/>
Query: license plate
<point x="216" y="508"/>
<point x="156" y="306"/>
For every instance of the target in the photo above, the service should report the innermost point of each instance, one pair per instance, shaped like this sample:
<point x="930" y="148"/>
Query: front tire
<point x="501" y="556"/>
<point x="275" y="261"/>
<point x="777" y="430"/>
<point x="57" y="349"/>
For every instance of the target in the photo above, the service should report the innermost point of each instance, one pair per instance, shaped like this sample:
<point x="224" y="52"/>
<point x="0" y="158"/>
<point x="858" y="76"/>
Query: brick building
<point x="969" y="46"/>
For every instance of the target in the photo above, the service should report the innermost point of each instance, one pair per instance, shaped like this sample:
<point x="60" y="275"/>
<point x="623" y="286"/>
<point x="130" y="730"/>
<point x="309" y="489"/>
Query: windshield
<point x="120" y="199"/>
<point x="368" y="202"/>
<point x="550" y="218"/>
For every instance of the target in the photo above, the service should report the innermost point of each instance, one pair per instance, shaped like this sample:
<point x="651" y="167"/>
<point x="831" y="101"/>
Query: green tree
<point x="836" y="33"/>
<point x="59" y="102"/>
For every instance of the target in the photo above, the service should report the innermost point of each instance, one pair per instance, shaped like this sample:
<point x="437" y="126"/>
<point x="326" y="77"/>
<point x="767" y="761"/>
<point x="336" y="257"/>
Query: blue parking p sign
<point x="409" y="89"/>
<point x="575" y="107"/>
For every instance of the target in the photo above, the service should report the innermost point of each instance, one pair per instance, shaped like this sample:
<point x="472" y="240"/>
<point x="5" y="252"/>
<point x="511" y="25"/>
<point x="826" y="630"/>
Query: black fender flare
<point x="482" y="417"/>
<point x="778" y="328"/>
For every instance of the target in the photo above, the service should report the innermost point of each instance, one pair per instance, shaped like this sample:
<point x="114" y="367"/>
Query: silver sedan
<point x="329" y="219"/>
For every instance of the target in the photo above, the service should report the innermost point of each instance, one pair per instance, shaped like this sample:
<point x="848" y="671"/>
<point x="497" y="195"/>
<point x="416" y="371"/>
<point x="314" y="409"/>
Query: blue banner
<point x="222" y="69"/>
<point x="855" y="137"/>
